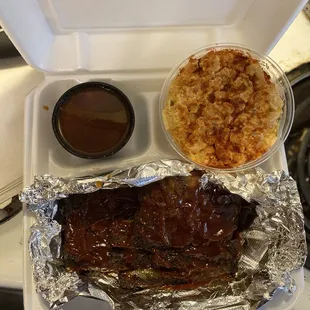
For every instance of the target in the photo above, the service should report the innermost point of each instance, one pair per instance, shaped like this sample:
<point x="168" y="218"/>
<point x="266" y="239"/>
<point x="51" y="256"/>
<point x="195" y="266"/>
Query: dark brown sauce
<point x="94" y="120"/>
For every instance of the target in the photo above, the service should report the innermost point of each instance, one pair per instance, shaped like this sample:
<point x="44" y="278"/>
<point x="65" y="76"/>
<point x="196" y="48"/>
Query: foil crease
<point x="275" y="242"/>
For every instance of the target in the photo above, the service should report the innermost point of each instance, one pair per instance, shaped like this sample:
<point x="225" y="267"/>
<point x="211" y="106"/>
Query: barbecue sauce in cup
<point x="93" y="120"/>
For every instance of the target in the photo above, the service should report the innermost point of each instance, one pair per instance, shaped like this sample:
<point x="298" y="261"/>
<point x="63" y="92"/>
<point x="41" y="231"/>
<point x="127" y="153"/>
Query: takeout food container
<point x="277" y="76"/>
<point x="111" y="41"/>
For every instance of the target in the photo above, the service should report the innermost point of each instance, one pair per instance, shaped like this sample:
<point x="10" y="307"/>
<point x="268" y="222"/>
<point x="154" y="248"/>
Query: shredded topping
<point x="223" y="110"/>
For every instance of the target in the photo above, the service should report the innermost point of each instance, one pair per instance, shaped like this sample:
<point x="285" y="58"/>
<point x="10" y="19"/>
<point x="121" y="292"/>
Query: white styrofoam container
<point x="43" y="153"/>
<point x="131" y="44"/>
<point x="59" y="36"/>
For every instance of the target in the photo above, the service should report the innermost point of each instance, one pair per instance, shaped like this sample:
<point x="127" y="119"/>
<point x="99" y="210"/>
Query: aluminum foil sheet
<point x="275" y="242"/>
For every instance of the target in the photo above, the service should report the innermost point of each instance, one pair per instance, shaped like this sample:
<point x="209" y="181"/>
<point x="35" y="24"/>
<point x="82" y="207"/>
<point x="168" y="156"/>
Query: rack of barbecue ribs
<point x="172" y="233"/>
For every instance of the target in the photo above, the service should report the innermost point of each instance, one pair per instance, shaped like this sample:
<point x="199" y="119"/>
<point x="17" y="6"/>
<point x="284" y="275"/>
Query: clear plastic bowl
<point x="277" y="76"/>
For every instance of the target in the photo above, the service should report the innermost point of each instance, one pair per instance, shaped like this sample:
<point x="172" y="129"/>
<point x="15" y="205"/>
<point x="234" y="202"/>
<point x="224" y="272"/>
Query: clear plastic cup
<point x="277" y="76"/>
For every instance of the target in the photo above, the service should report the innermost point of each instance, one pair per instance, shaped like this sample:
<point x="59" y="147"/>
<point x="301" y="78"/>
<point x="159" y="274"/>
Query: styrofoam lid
<point x="110" y="35"/>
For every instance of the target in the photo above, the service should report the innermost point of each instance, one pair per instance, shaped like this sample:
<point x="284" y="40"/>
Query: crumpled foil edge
<point x="277" y="238"/>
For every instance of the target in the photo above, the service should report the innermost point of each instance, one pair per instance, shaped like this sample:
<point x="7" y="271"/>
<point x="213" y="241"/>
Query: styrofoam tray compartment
<point x="43" y="153"/>
<point x="146" y="143"/>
